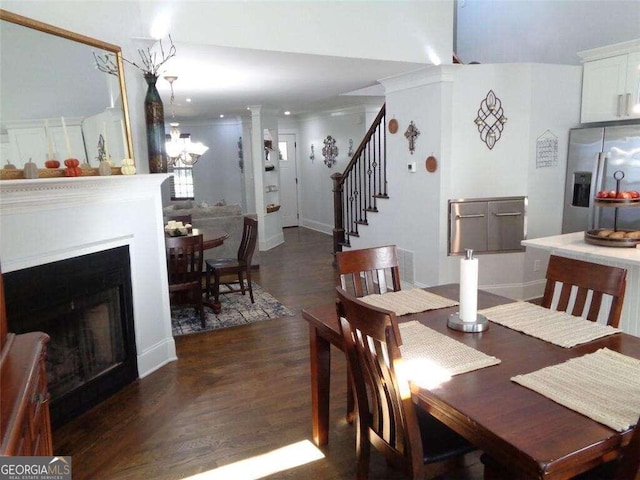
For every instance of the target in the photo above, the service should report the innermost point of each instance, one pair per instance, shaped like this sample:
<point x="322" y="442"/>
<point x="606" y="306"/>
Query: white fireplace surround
<point x="46" y="220"/>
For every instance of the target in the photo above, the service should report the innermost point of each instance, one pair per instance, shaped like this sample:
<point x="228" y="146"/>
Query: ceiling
<point x="226" y="80"/>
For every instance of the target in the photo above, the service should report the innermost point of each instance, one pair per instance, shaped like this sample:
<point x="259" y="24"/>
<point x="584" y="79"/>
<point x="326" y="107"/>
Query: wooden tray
<point x="591" y="237"/>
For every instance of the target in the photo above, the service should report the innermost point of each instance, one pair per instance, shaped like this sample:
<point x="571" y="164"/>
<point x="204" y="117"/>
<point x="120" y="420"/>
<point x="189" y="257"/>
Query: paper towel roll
<point x="468" y="289"/>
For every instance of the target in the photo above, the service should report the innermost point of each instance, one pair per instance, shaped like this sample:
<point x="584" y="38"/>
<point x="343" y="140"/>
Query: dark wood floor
<point x="234" y="394"/>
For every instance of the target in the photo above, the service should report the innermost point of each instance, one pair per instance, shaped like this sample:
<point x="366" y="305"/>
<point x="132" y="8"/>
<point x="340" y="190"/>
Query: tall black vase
<point x="154" y="114"/>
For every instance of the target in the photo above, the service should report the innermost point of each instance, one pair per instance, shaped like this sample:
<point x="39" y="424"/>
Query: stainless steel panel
<point x="467" y="226"/>
<point x="506" y="226"/>
<point x="585" y="144"/>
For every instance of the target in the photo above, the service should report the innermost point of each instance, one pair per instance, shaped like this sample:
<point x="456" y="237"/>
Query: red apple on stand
<point x="634" y="194"/>
<point x="624" y="195"/>
<point x="602" y="194"/>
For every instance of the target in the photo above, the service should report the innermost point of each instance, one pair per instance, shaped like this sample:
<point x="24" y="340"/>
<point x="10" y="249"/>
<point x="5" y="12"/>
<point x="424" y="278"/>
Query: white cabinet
<point x="611" y="83"/>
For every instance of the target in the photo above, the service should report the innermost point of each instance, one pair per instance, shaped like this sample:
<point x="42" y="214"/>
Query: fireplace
<point x="47" y="220"/>
<point x="85" y="305"/>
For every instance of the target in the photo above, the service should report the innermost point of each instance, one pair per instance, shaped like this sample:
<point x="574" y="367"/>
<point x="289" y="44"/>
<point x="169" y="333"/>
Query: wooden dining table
<point x="531" y="434"/>
<point x="211" y="237"/>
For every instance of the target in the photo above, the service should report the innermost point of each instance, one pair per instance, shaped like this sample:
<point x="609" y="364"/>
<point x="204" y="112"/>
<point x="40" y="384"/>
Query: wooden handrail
<point x="364" y="180"/>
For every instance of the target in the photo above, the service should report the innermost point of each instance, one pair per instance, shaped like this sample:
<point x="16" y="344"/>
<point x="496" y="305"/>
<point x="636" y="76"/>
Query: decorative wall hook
<point x="411" y="134"/>
<point x="350" y="152"/>
<point x="329" y="151"/>
<point x="313" y="153"/>
<point x="490" y="119"/>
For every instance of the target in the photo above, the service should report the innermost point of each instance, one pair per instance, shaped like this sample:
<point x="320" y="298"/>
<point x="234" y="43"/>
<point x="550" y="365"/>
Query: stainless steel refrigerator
<point x="595" y="154"/>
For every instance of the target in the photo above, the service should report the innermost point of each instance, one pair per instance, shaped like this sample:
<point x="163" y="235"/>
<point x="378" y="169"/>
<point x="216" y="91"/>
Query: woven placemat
<point x="404" y="302"/>
<point x="423" y="343"/>
<point x="604" y="386"/>
<point x="558" y="328"/>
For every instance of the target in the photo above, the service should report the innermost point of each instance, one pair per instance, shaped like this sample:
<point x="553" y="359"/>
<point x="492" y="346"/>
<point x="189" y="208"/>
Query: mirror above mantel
<point x="54" y="102"/>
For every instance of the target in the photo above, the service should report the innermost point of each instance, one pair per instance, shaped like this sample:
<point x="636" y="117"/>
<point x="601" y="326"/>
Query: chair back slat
<point x="248" y="242"/>
<point x="369" y="271"/>
<point x="586" y="278"/>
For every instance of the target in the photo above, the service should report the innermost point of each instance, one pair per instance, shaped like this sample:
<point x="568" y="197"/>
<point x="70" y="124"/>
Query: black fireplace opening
<point x="85" y="305"/>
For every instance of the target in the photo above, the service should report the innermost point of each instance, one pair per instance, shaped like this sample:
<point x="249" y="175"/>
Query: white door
<point x="288" y="179"/>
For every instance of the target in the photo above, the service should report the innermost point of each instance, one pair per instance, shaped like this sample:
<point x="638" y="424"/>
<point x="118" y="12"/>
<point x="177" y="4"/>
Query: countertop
<point x="574" y="243"/>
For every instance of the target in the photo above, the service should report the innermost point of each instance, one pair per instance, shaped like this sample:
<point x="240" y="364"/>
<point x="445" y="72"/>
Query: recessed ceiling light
<point x="221" y="115"/>
<point x="188" y="100"/>
<point x="287" y="112"/>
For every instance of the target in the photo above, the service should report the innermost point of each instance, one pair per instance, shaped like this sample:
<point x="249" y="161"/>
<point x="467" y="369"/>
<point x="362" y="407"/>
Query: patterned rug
<point x="237" y="309"/>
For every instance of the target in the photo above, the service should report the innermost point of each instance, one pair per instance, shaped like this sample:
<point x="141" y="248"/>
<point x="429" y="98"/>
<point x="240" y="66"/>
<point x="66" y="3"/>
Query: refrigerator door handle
<point x="598" y="184"/>
<point x="628" y="105"/>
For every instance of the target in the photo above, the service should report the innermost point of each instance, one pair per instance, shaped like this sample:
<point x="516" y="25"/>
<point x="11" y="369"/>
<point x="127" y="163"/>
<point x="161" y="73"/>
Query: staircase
<point x="356" y="190"/>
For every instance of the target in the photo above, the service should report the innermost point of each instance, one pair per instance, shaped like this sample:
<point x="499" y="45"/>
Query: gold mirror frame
<point x="92" y="42"/>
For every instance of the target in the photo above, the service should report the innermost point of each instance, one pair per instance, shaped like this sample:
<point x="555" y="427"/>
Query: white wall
<point x="549" y="31"/>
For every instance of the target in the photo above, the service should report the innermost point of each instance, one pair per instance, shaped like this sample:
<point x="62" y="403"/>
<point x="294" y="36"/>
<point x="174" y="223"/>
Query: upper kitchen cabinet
<point x="611" y="83"/>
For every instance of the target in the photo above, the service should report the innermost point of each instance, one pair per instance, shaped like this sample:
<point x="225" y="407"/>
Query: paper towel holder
<point x="480" y="325"/>
<point x="455" y="322"/>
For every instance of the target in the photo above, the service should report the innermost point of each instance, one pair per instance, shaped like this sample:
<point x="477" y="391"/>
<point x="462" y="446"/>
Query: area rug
<point x="237" y="309"/>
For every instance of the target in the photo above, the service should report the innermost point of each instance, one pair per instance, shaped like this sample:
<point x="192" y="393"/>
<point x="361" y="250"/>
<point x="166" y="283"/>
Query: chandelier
<point x="180" y="149"/>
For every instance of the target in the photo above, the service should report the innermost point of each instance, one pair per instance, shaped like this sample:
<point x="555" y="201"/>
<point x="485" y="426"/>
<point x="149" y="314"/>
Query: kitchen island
<point x="572" y="245"/>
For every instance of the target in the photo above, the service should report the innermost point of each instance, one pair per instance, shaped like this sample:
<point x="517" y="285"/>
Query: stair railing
<point x="363" y="182"/>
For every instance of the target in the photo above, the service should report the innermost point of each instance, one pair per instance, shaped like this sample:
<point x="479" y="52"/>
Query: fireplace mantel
<point x="45" y="220"/>
<point x="19" y="196"/>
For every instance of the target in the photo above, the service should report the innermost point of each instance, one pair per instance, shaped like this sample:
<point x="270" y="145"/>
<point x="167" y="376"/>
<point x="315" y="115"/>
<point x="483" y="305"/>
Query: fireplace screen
<point x="84" y="305"/>
<point x="86" y="341"/>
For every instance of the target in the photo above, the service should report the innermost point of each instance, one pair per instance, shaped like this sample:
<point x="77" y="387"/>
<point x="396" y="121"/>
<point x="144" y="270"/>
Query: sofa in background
<point x="221" y="217"/>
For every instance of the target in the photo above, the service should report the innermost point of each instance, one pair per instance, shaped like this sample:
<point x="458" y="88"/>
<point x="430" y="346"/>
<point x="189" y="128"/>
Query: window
<point x="182" y="183"/>
<point x="182" y="179"/>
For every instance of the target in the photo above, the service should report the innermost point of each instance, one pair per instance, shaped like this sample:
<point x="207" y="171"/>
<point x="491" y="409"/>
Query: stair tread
<point x="380" y="195"/>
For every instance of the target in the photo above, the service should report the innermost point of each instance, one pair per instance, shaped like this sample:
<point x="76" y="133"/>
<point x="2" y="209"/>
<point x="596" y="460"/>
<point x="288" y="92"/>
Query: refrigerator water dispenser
<point x="581" y="189"/>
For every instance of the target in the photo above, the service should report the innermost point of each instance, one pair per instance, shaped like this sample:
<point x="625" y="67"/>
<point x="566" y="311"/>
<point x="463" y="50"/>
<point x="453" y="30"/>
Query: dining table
<point x="532" y="435"/>
<point x="211" y="237"/>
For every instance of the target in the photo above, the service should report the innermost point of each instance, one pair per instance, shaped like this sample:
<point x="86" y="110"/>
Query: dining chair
<point x="184" y="269"/>
<point x="407" y="436"/>
<point x="364" y="272"/>
<point x="369" y="270"/>
<point x="240" y="266"/>
<point x="567" y="274"/>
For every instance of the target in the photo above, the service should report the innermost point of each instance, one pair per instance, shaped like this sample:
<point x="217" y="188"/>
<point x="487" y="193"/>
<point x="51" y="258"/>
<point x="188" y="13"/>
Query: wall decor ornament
<point x="329" y="151"/>
<point x="350" y="152"/>
<point x="490" y="119"/>
<point x="240" y="155"/>
<point x="313" y="153"/>
<point x="431" y="164"/>
<point x="393" y="125"/>
<point x="411" y="134"/>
